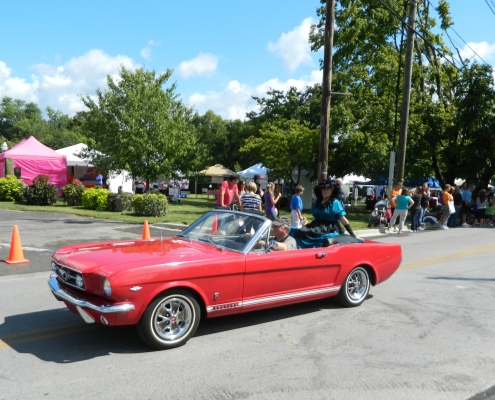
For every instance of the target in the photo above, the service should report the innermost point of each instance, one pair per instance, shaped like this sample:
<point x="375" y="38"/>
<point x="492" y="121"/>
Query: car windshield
<point x="225" y="229"/>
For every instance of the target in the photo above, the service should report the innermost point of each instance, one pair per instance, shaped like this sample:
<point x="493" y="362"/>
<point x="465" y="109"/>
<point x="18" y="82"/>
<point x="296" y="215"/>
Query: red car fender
<point x="176" y="285"/>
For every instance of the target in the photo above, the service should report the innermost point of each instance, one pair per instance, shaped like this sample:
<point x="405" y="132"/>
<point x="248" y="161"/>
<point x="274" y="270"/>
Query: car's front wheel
<point x="170" y="320"/>
<point x="355" y="288"/>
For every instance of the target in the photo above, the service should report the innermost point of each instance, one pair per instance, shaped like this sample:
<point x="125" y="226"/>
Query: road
<point x="426" y="333"/>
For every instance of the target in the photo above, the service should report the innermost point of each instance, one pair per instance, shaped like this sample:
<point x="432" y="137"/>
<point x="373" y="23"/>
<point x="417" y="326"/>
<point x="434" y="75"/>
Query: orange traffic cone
<point x="214" y="225"/>
<point x="146" y="231"/>
<point x="16" y="255"/>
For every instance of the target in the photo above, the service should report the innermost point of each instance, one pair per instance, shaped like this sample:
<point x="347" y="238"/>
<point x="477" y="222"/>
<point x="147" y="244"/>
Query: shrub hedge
<point x="95" y="198"/>
<point x="10" y="187"/>
<point x="154" y="205"/>
<point x="40" y="193"/>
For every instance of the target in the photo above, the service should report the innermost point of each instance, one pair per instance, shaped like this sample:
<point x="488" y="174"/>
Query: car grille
<point x="68" y="275"/>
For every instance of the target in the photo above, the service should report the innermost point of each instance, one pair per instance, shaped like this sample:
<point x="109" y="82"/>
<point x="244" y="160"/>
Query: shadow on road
<point x="61" y="336"/>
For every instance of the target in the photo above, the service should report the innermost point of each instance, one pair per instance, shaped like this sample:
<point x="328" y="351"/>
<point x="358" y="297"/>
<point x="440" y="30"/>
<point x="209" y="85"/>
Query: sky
<point x="222" y="52"/>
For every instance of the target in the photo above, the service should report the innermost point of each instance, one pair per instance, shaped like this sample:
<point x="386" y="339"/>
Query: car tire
<point x="355" y="288"/>
<point x="170" y="320"/>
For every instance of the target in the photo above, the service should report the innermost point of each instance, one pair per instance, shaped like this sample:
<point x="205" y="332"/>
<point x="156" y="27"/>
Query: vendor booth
<point x="81" y="169"/>
<point x="32" y="158"/>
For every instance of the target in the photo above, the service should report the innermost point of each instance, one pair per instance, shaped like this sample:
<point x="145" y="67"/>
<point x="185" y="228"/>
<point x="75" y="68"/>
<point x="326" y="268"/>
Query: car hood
<point x="88" y="258"/>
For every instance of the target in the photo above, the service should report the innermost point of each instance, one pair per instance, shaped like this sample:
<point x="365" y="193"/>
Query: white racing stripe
<point x="271" y="299"/>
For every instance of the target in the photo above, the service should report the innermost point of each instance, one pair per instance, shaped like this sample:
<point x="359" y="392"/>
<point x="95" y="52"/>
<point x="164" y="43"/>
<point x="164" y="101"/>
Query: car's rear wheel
<point x="170" y="320"/>
<point x="355" y="288"/>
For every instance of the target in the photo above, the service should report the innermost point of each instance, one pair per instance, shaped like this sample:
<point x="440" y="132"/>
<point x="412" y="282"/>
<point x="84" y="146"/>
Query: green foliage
<point x="10" y="186"/>
<point x="40" y="193"/>
<point x="287" y="135"/>
<point x="139" y="126"/>
<point x="150" y="204"/>
<point x="19" y="120"/>
<point x="120" y="201"/>
<point x="73" y="192"/>
<point x="95" y="199"/>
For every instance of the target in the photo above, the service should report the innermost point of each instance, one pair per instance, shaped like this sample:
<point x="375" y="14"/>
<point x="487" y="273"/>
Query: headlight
<point x="79" y="281"/>
<point x="107" y="288"/>
<point x="54" y="266"/>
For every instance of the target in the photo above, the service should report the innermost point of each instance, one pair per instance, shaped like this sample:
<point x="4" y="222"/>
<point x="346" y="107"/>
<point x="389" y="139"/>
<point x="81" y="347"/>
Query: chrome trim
<point x="135" y="288"/>
<point x="271" y="299"/>
<point x="67" y="277"/>
<point x="61" y="294"/>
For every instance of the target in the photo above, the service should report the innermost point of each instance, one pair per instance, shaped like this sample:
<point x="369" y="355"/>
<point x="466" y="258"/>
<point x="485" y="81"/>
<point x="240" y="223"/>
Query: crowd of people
<point x="328" y="211"/>
<point x="455" y="206"/>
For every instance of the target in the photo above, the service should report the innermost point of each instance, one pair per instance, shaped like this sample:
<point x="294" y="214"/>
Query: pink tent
<point x="34" y="158"/>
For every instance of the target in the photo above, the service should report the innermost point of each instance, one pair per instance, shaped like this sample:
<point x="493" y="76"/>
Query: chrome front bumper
<point x="61" y="294"/>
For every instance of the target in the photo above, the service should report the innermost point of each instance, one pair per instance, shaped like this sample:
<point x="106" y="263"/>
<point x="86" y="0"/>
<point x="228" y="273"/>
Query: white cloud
<point x="235" y="100"/>
<point x="146" y="52"/>
<point x="485" y="50"/>
<point x="60" y="86"/>
<point x="203" y="64"/>
<point x="293" y="47"/>
<point x="17" y="88"/>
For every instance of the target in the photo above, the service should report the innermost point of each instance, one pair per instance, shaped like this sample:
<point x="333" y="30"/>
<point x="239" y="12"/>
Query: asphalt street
<point x="426" y="333"/>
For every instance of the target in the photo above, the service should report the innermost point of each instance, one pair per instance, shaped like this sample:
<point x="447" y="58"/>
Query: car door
<point x="279" y="277"/>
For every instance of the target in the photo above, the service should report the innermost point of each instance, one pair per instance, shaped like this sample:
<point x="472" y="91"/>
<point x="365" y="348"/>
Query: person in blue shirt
<point x="466" y="203"/>
<point x="296" y="207"/>
<point x="99" y="180"/>
<point x="328" y="213"/>
<point x="402" y="203"/>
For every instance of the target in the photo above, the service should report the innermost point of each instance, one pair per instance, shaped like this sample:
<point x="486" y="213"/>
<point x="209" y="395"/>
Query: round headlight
<point x="54" y="266"/>
<point x="79" y="281"/>
<point x="107" y="289"/>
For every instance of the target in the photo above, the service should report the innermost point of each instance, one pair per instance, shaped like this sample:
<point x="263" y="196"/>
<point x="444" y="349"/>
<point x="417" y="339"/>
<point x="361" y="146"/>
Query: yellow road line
<point x="49" y="336"/>
<point x="446" y="257"/>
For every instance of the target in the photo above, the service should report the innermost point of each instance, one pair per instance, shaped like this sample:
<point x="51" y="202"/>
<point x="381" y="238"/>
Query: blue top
<point x="403" y="202"/>
<point x="466" y="195"/>
<point x="296" y="203"/>
<point x="331" y="212"/>
<point x="99" y="180"/>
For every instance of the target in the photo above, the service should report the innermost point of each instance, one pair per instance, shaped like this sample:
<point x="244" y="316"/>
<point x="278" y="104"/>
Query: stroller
<point x="378" y="215"/>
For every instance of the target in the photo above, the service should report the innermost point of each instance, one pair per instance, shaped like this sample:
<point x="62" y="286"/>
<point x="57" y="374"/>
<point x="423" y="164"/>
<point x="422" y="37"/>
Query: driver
<point x="281" y="228"/>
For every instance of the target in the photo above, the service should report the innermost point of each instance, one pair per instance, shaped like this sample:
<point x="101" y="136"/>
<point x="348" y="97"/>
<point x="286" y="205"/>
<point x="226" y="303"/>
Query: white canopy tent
<point x="81" y="166"/>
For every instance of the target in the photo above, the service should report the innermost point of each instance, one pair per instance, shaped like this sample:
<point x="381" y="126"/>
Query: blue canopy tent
<point x="431" y="181"/>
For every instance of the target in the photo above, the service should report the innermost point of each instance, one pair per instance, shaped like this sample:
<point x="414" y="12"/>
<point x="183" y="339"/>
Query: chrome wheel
<point x="357" y="284"/>
<point x="355" y="288"/>
<point x="172" y="318"/>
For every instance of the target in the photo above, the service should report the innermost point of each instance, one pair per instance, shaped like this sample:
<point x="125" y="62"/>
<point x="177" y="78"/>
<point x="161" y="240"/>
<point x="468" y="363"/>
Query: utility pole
<point x="326" y="91"/>
<point x="406" y="93"/>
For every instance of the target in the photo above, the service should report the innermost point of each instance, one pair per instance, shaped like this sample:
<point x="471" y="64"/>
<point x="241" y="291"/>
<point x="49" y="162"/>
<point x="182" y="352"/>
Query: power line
<point x="429" y="2"/>
<point x="469" y="46"/>
<point x="490" y="7"/>
<point x="417" y="33"/>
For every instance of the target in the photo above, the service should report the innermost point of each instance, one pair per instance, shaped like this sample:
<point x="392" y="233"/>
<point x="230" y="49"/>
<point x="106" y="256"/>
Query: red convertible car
<point x="221" y="264"/>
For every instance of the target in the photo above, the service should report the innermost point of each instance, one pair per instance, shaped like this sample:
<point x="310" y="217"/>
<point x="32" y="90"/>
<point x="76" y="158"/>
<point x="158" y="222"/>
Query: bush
<point x="154" y="205"/>
<point x="95" y="199"/>
<point x="10" y="187"/>
<point x="119" y="202"/>
<point x="73" y="193"/>
<point x="40" y="193"/>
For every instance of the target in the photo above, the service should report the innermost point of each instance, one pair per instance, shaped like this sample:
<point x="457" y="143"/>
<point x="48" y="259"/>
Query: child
<point x="296" y="206"/>
<point x="490" y="210"/>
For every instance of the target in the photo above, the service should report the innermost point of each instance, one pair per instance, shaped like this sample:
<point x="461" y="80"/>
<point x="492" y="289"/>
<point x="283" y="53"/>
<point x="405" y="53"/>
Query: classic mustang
<point x="222" y="264"/>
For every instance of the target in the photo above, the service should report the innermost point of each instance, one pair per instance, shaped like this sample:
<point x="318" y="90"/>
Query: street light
<point x="5" y="147"/>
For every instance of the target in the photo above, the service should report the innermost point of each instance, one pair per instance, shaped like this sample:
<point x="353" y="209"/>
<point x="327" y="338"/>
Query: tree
<point x="368" y="53"/>
<point x="286" y="147"/>
<point x="138" y="125"/>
